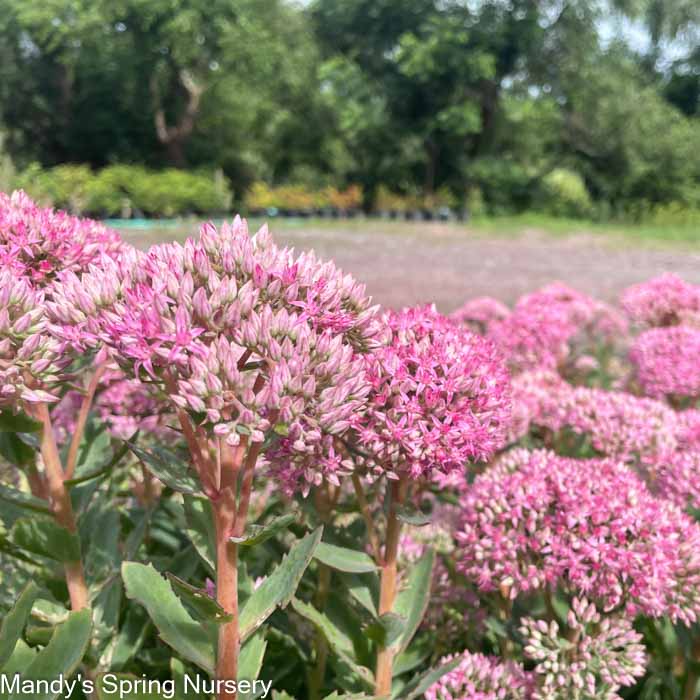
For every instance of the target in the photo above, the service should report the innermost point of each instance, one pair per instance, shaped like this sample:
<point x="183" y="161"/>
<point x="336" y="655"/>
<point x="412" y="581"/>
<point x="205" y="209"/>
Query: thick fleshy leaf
<point x="386" y="629"/>
<point x="60" y="657"/>
<point x="200" y="528"/>
<point x="168" y="468"/>
<point x="198" y="602"/>
<point x="177" y="629"/>
<point x="15" y="450"/>
<point x="251" y="659"/>
<point x="46" y="538"/>
<point x="340" y="643"/>
<point x="98" y="470"/>
<point x="129" y="640"/>
<point x="344" y="559"/>
<point x="18" y="423"/>
<point x="409" y="514"/>
<point x="417" y="687"/>
<point x="412" y="601"/>
<point x="280" y="586"/>
<point x="257" y="534"/>
<point x="13" y="623"/>
<point x="24" y="500"/>
<point x="364" y="588"/>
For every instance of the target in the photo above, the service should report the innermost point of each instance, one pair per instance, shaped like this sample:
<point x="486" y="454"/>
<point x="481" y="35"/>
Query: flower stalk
<point x="389" y="578"/>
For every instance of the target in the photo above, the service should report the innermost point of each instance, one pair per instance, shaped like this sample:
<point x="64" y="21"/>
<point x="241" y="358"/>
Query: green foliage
<point x="564" y="193"/>
<point x="123" y="190"/>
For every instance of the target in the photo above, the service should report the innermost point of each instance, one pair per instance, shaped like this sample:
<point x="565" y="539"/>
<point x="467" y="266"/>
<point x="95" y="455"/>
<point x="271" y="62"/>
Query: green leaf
<point x="343" y="559"/>
<point x="251" y="660"/>
<point x="167" y="467"/>
<point x="410" y="659"/>
<point x="24" y="500"/>
<point x="61" y="656"/>
<point x="341" y="644"/>
<point x="49" y="611"/>
<point x="177" y="629"/>
<point x="15" y="450"/>
<point x="200" y="528"/>
<point x="409" y="514"/>
<point x="18" y="423"/>
<point x="98" y="471"/>
<point x="421" y="683"/>
<point x="199" y="602"/>
<point x="279" y="587"/>
<point x="129" y="640"/>
<point x="46" y="538"/>
<point x="364" y="588"/>
<point x="257" y="534"/>
<point x="14" y="621"/>
<point x="412" y="601"/>
<point x="386" y="629"/>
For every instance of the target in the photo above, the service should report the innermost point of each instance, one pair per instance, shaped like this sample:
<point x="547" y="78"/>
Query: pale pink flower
<point x="661" y="301"/>
<point x="480" y="313"/>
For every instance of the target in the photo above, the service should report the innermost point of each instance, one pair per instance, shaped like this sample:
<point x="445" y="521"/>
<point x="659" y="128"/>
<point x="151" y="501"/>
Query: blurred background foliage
<point x="577" y="108"/>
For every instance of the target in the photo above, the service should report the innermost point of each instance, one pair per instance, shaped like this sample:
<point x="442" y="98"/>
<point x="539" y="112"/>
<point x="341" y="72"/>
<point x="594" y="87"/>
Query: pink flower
<point x="39" y="243"/>
<point x="666" y="361"/>
<point x="479" y="677"/>
<point x="248" y="339"/>
<point x="605" y="654"/>
<point x="536" y="520"/>
<point x="31" y="360"/>
<point x="661" y="301"/>
<point x="480" y="313"/>
<point x="540" y="331"/>
<point x="439" y="398"/>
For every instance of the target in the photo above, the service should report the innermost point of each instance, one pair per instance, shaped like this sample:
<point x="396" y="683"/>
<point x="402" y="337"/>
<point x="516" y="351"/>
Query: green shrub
<point x="506" y="186"/>
<point x="121" y="190"/>
<point x="563" y="193"/>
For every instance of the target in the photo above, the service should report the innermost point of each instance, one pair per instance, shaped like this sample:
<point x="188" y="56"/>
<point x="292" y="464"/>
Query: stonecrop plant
<point x="223" y="467"/>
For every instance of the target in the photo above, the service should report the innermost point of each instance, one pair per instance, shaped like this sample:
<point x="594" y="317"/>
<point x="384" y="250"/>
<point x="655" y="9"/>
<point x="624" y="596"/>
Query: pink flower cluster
<point x="539" y="331"/>
<point x="479" y="677"/>
<point x="40" y="243"/>
<point x="480" y="314"/>
<point x="597" y="657"/>
<point x="666" y="361"/>
<point x="30" y="358"/>
<point x="240" y="333"/>
<point x="662" y="301"/>
<point x="537" y="520"/>
<point x="439" y="398"/>
<point x="617" y="423"/>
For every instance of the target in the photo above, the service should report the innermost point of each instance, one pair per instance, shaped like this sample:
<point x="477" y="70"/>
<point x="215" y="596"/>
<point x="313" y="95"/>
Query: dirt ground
<point x="419" y="263"/>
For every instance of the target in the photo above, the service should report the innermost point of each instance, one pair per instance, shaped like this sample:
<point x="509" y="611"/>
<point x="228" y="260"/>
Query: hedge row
<point x="127" y="190"/>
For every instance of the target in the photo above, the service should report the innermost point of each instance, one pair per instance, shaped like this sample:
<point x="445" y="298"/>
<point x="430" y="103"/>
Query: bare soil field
<point x="412" y="263"/>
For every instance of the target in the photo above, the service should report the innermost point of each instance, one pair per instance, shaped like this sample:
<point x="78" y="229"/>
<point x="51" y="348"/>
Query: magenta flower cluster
<point x="439" y="398"/>
<point x="661" y="301"/>
<point x="536" y="520"/>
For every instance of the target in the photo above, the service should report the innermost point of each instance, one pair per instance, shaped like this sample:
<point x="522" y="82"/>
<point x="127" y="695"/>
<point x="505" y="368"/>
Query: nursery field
<point x="225" y="472"/>
<point x="406" y="263"/>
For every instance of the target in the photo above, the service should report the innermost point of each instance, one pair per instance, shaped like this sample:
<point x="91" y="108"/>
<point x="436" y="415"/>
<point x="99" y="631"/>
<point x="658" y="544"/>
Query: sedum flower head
<point x="480" y="314"/>
<point x="439" y="398"/>
<point x="539" y="332"/>
<point x="245" y="336"/>
<point x="536" y="520"/>
<point x="39" y="243"/>
<point x="30" y="358"/>
<point x="661" y="301"/>
<point x="666" y="361"/>
<point x="479" y="677"/>
<point x="597" y="657"/>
